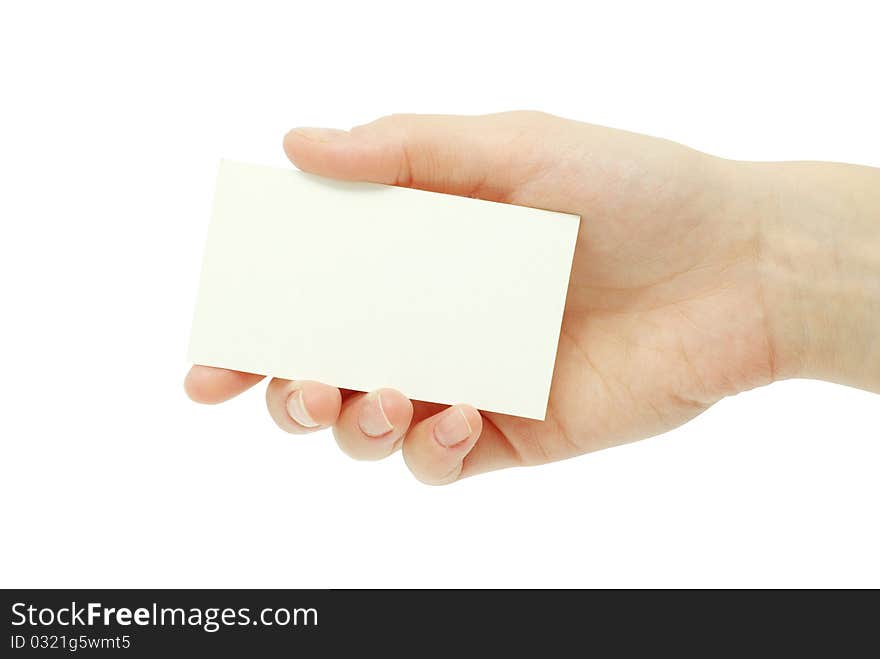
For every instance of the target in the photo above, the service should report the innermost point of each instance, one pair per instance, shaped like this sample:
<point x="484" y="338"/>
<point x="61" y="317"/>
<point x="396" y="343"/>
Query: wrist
<point x="818" y="260"/>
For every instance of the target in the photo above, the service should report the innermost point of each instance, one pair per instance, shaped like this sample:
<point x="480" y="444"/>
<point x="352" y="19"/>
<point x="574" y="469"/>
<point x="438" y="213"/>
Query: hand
<point x="676" y="298"/>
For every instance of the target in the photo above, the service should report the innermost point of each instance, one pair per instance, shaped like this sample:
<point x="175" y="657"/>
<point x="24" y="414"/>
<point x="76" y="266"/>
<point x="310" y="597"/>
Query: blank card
<point x="447" y="299"/>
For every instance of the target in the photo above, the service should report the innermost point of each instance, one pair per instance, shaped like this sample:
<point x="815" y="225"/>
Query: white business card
<point x="447" y="299"/>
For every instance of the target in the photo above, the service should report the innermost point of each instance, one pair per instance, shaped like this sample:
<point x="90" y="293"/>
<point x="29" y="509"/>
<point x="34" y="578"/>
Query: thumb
<point x="487" y="156"/>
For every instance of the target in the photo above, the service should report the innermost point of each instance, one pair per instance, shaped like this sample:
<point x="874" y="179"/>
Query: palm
<point x="659" y="307"/>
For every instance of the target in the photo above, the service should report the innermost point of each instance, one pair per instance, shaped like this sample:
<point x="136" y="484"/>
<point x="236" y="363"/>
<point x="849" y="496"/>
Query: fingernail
<point x="452" y="428"/>
<point x="372" y="419"/>
<point x="296" y="408"/>
<point x="320" y="134"/>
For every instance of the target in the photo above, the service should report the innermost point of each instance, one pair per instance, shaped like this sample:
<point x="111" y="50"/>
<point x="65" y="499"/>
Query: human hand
<point x="686" y="286"/>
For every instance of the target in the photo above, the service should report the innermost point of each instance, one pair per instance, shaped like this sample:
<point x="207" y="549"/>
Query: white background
<point x="113" y="120"/>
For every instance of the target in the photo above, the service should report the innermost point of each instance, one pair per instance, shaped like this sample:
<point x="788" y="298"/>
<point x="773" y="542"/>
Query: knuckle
<point x="528" y="116"/>
<point x="387" y="123"/>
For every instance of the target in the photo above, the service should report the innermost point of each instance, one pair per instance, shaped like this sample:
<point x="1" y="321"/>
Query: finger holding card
<point x="372" y="425"/>
<point x="211" y="385"/>
<point x="435" y="448"/>
<point x="302" y="406"/>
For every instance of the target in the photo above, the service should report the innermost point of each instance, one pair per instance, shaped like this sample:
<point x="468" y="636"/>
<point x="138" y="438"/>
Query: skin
<point x="694" y="278"/>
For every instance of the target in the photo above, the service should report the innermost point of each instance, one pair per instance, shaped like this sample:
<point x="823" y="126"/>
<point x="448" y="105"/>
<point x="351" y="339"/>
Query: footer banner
<point x="159" y="623"/>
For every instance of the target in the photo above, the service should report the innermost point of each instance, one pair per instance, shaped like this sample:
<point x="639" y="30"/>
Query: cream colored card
<point x="448" y="299"/>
